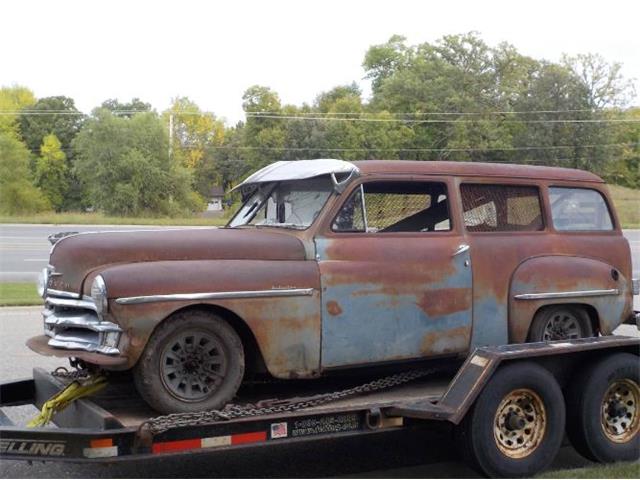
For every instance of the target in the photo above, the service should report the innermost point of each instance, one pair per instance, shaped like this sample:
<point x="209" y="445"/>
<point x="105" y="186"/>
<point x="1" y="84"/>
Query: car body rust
<point x="367" y="297"/>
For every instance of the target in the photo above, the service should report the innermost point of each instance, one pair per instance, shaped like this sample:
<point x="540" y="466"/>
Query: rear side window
<point x="575" y="209"/>
<point x="501" y="208"/>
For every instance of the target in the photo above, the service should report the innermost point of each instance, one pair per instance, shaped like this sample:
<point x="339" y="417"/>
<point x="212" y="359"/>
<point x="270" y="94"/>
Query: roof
<point x="474" y="169"/>
<point x="299" y="169"/>
<point x="216" y="191"/>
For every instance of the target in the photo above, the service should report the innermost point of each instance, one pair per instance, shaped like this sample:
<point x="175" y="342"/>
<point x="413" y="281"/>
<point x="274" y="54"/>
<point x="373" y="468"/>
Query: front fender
<point x="567" y="274"/>
<point x="286" y="328"/>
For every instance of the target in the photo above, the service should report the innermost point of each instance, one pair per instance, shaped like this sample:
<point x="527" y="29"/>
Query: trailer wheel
<point x="517" y="423"/>
<point x="560" y="322"/>
<point x="194" y="361"/>
<point x="603" y="409"/>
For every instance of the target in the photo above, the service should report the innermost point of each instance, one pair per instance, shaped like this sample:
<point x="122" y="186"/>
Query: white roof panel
<point x="299" y="169"/>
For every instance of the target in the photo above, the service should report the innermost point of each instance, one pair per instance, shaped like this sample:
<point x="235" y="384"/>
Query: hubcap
<point x="193" y="365"/>
<point x="520" y="423"/>
<point x="620" y="418"/>
<point x="563" y="325"/>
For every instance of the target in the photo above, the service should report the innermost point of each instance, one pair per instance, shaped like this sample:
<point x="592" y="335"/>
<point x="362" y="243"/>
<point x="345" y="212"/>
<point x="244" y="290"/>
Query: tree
<point x="128" y="109"/>
<point x="17" y="194"/>
<point x="127" y="169"/>
<point x="12" y="100"/>
<point x="193" y="132"/>
<point x="51" y="115"/>
<point x="51" y="171"/>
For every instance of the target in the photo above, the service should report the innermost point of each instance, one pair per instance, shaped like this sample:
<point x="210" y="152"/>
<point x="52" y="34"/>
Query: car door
<point x="395" y="275"/>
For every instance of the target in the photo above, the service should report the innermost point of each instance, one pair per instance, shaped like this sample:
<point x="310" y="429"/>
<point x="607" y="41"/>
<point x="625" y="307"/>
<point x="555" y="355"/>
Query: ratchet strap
<point x="61" y="400"/>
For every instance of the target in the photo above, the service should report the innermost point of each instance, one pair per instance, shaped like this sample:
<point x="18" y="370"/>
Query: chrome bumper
<point x="73" y="324"/>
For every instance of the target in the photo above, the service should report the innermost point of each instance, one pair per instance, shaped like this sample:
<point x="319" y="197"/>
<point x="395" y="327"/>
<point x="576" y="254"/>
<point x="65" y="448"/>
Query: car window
<point x="383" y="207"/>
<point x="288" y="204"/>
<point x="579" y="209"/>
<point x="501" y="208"/>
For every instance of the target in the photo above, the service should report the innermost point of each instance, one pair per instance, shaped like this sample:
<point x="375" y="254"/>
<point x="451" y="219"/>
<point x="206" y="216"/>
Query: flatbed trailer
<point x="508" y="406"/>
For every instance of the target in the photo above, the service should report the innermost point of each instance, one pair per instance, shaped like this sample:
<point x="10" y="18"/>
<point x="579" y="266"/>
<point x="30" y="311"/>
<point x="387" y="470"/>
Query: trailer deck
<point x="113" y="426"/>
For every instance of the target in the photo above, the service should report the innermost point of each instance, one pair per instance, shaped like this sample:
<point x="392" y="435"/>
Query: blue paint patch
<point x="377" y="322"/>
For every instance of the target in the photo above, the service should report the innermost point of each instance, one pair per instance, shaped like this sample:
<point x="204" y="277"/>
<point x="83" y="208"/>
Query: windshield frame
<point x="271" y="186"/>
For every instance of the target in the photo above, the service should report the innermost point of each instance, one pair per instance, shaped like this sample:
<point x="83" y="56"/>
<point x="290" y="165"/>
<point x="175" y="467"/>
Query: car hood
<point x="76" y="256"/>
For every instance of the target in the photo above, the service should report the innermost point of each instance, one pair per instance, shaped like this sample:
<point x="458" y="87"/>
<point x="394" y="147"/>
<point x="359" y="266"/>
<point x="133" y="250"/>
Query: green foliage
<point x="127" y="109"/>
<point x="17" y="195"/>
<point x="126" y="166"/>
<point x="52" y="174"/>
<point x="50" y="115"/>
<point x="12" y="100"/>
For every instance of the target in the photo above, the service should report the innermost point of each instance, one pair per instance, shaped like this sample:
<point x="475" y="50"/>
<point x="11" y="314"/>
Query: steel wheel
<point x="520" y="423"/>
<point x="620" y="418"/>
<point x="193" y="365"/>
<point x="562" y="325"/>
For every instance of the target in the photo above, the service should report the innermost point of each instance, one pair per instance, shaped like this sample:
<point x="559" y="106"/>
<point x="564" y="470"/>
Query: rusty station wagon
<point x="330" y="265"/>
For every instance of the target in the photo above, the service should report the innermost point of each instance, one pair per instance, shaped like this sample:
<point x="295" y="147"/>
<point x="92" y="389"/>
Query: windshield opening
<point x="287" y="204"/>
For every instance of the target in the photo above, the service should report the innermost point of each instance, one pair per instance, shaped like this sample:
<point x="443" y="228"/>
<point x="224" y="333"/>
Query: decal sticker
<point x="17" y="446"/>
<point x="328" y="424"/>
<point x="279" y="430"/>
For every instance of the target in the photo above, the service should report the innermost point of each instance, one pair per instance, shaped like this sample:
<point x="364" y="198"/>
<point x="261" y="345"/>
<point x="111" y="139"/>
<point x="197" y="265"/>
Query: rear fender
<point x="581" y="280"/>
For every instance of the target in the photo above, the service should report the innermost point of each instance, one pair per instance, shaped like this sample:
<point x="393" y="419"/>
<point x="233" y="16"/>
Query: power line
<point x="440" y="121"/>
<point x="374" y="149"/>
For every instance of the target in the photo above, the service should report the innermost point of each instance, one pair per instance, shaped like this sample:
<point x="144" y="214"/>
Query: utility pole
<point x="170" y="135"/>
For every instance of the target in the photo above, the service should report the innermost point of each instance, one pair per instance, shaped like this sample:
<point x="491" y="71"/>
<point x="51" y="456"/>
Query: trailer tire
<point x="194" y="361"/>
<point x="516" y="425"/>
<point x="603" y="409"/>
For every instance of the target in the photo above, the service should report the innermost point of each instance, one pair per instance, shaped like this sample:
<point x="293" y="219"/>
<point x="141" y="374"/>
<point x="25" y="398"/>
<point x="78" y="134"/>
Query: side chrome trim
<point x="176" y="297"/>
<point x="62" y="293"/>
<point x="579" y="293"/>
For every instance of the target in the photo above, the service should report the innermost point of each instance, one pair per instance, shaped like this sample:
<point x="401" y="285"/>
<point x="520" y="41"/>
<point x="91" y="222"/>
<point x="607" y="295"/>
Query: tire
<point x="521" y="404"/>
<point x="560" y="322"/>
<point x="589" y="427"/>
<point x="194" y="361"/>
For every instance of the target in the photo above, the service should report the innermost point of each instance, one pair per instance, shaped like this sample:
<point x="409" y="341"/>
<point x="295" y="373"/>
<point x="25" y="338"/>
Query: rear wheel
<point x="561" y="322"/>
<point x="516" y="426"/>
<point x="603" y="409"/>
<point x="194" y="361"/>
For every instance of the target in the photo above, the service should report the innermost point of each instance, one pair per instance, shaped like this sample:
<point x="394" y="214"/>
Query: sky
<point x="211" y="51"/>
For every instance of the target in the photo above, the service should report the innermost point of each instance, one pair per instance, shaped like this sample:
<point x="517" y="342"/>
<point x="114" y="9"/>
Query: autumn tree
<point x="52" y="173"/>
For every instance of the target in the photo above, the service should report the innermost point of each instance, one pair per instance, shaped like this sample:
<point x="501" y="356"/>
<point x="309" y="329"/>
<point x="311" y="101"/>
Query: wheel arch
<point x="590" y="310"/>
<point x="254" y="359"/>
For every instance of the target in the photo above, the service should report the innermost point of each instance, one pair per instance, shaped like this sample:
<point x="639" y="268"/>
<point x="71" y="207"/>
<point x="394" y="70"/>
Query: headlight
<point x="43" y="280"/>
<point x="99" y="294"/>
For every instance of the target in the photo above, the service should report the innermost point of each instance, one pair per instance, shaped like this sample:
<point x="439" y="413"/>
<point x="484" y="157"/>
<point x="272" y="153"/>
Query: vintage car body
<point x="306" y="301"/>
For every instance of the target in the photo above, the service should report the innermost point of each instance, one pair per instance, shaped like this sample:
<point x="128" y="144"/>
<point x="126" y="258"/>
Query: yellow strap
<point x="64" y="397"/>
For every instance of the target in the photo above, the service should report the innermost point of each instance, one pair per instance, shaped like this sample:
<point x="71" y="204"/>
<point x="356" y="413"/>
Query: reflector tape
<point x="209" y="442"/>
<point x="101" y="448"/>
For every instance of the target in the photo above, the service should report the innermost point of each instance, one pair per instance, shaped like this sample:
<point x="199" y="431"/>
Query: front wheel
<point x="516" y="426"/>
<point x="194" y="361"/>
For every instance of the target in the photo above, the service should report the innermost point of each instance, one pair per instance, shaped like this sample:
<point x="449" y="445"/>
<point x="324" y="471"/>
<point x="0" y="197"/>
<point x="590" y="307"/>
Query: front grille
<point x="73" y="324"/>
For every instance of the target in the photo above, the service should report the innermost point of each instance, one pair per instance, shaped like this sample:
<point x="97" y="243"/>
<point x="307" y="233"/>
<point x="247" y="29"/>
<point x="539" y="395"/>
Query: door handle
<point x="463" y="247"/>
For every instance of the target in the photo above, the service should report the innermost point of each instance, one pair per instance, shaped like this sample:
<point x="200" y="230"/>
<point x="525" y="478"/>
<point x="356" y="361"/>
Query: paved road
<point x="416" y="455"/>
<point x="24" y="249"/>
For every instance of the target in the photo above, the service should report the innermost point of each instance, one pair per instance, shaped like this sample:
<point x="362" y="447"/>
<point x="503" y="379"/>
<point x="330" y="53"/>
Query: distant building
<point x="216" y="194"/>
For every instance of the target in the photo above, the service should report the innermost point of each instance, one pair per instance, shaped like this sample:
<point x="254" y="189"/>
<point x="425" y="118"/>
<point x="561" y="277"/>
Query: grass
<point x="14" y="294"/>
<point x="614" y="470"/>
<point x="82" y="218"/>
<point x="627" y="203"/>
